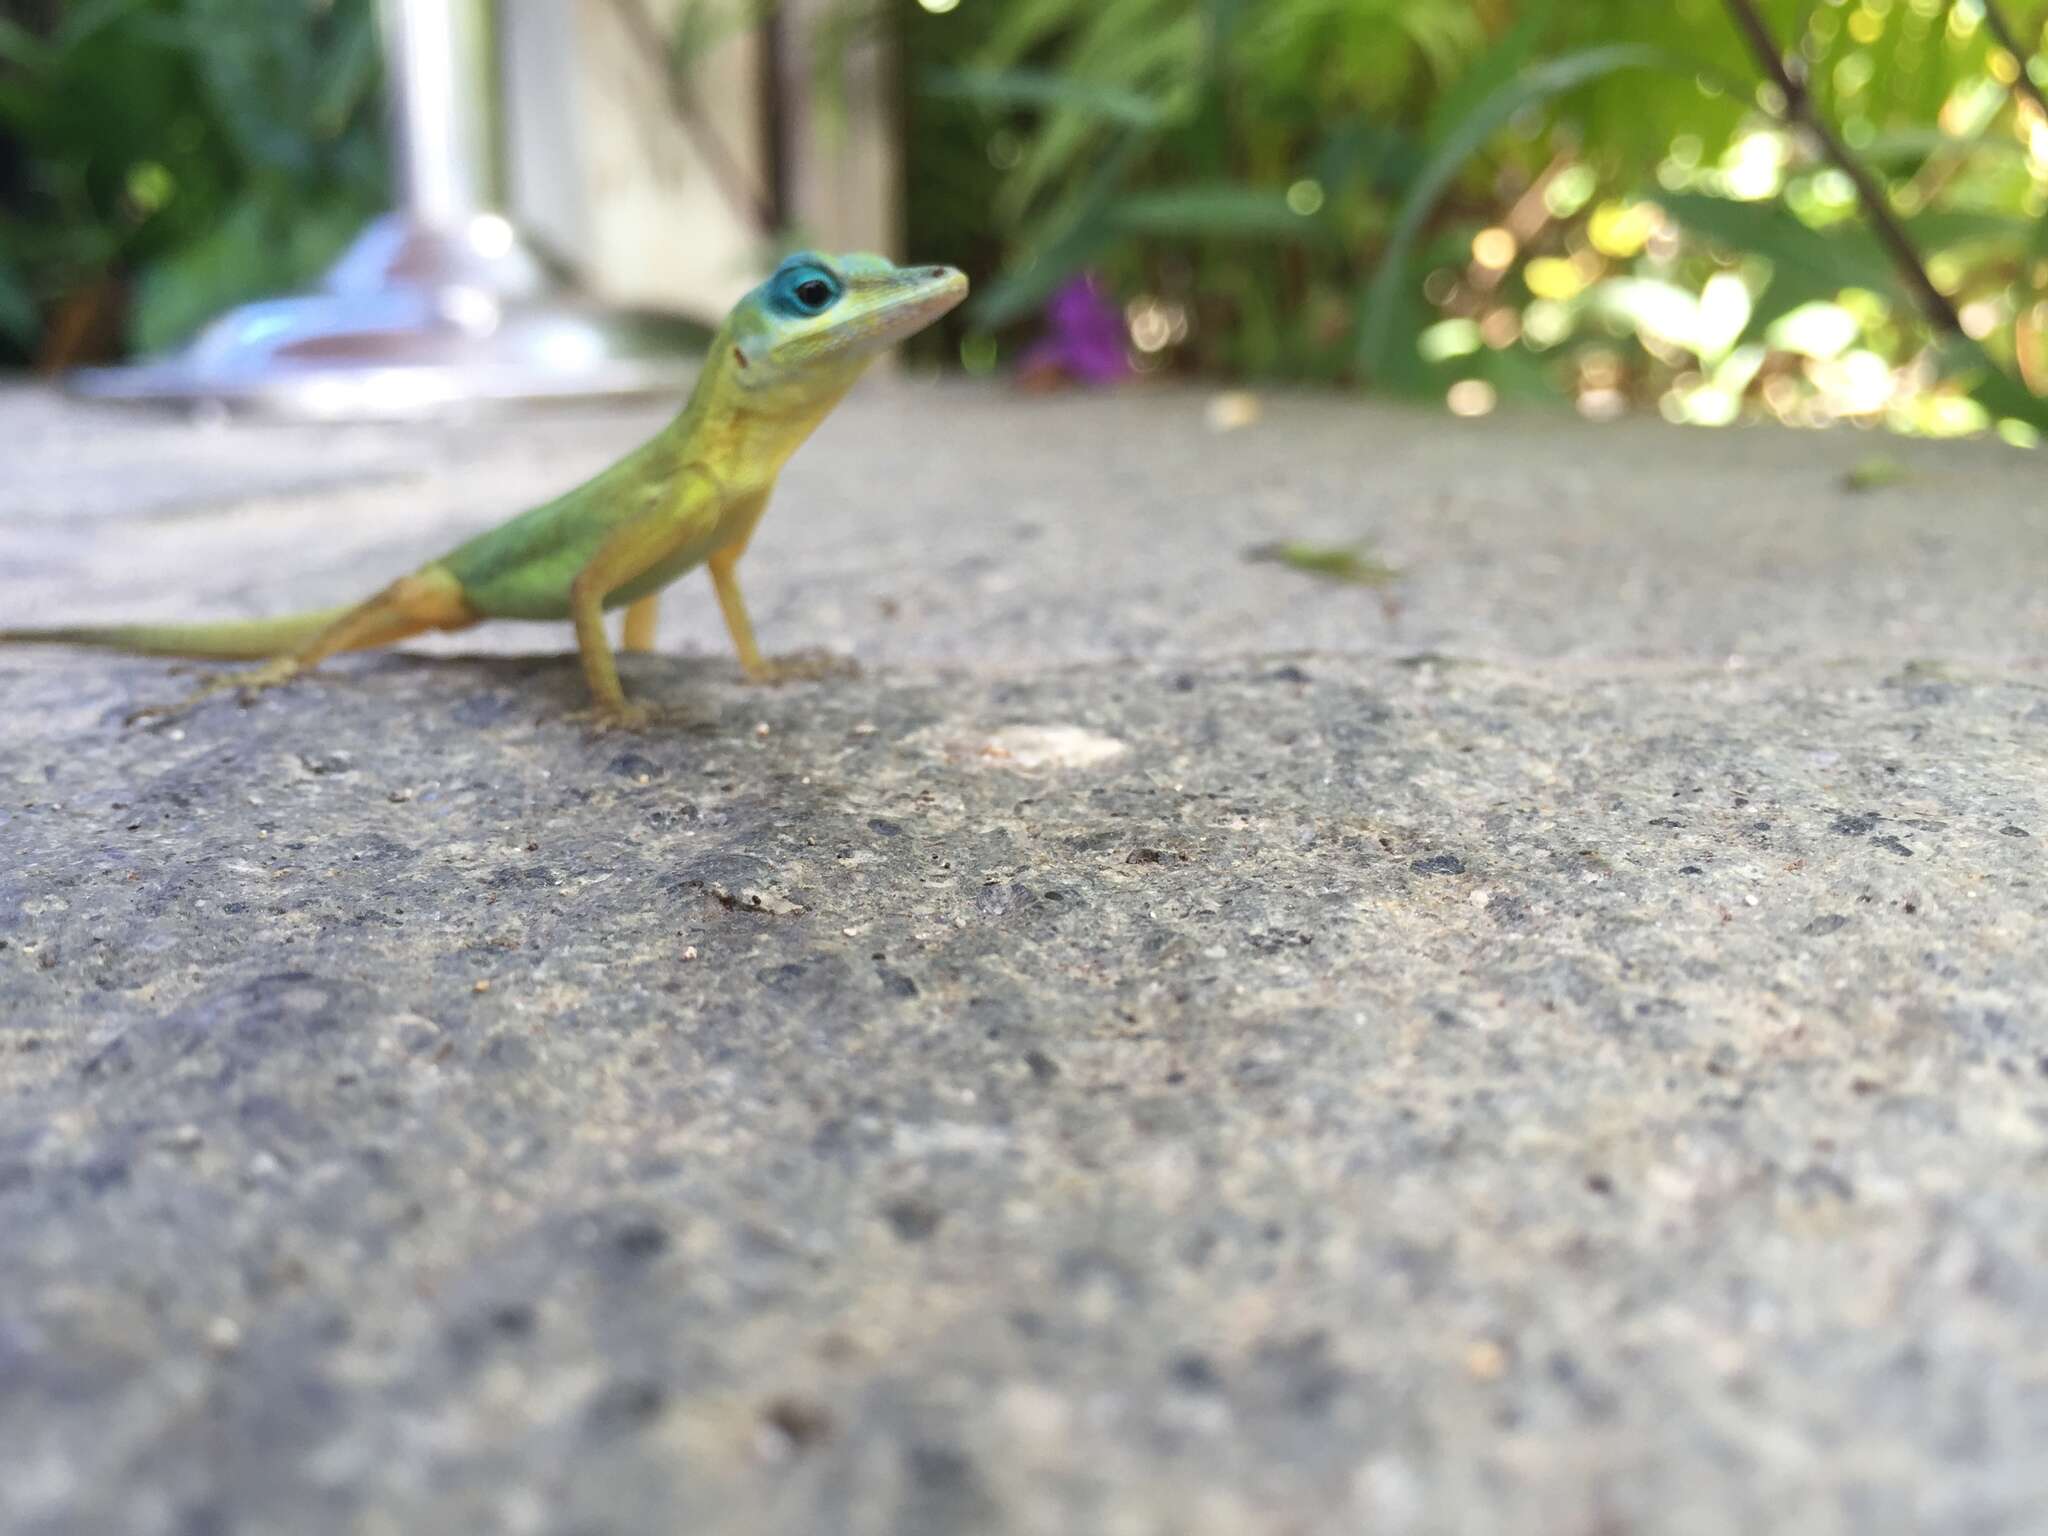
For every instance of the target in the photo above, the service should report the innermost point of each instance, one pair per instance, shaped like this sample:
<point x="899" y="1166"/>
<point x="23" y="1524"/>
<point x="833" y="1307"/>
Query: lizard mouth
<point x="931" y="292"/>
<point x="909" y="304"/>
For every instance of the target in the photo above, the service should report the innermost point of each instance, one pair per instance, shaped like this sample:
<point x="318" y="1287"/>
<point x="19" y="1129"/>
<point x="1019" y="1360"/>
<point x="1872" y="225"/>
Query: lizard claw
<point x="809" y="666"/>
<point x="623" y="717"/>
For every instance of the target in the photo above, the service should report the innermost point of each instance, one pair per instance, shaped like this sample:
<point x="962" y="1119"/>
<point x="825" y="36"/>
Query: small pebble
<point x="1231" y="409"/>
<point x="1486" y="1361"/>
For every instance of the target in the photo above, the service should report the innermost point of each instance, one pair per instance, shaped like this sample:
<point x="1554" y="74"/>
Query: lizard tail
<point x="235" y="640"/>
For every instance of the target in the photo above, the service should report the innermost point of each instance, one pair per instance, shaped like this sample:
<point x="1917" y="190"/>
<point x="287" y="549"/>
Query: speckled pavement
<point x="1174" y="1046"/>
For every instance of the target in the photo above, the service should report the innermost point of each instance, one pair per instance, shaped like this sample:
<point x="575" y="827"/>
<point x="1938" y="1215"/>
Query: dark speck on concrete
<point x="479" y="710"/>
<point x="1271" y="941"/>
<point x="635" y="765"/>
<point x="939" y="1466"/>
<point x="1438" y="864"/>
<point x="801" y="1422"/>
<point x="1892" y="845"/>
<point x="944" y="1493"/>
<point x="640" y="1241"/>
<point x="626" y="1405"/>
<point x="514" y="1320"/>
<point x="323" y="764"/>
<point x="1308" y="1380"/>
<point x="1826" y="923"/>
<point x="912" y="1218"/>
<point x="1854" y="825"/>
<point x="511" y="1050"/>
<point x="1001" y="900"/>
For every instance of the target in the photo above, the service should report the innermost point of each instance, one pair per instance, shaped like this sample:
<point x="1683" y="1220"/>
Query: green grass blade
<point x="1222" y="210"/>
<point x="1077" y="233"/>
<point x="1041" y="88"/>
<point x="22" y="48"/>
<point x="1447" y="157"/>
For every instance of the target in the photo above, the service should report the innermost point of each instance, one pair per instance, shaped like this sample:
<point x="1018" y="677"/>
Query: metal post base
<point x="412" y="321"/>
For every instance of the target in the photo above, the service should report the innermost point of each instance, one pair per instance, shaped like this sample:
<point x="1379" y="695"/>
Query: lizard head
<point x="824" y="318"/>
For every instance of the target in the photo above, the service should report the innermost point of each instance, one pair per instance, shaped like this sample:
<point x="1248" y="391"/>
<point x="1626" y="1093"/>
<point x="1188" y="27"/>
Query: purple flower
<point x="1085" y="338"/>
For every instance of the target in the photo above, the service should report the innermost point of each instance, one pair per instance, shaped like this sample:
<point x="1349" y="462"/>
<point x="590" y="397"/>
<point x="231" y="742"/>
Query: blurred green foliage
<point x="1602" y="201"/>
<point x="1500" y="199"/>
<point x="163" y="159"/>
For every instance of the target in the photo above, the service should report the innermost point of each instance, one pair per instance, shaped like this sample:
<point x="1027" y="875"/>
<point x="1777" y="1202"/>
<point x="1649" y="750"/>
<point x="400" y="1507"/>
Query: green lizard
<point x="691" y="495"/>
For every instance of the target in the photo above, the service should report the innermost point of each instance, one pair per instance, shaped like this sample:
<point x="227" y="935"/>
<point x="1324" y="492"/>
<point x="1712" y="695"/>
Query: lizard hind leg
<point x="640" y="624"/>
<point x="431" y="599"/>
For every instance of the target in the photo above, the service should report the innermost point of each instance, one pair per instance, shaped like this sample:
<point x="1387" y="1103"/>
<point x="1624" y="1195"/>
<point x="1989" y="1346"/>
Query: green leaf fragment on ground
<point x="1876" y="473"/>
<point x="1333" y="562"/>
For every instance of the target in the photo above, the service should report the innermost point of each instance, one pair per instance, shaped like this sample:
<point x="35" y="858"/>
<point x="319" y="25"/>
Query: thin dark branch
<point x="2002" y="34"/>
<point x="718" y="159"/>
<point x="1790" y="79"/>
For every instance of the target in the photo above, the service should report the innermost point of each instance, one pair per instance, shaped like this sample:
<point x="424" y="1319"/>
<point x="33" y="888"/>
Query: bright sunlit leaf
<point x="1819" y="330"/>
<point x="1660" y="310"/>
<point x="1724" y="310"/>
<point x="1755" y="168"/>
<point x="1494" y="249"/>
<point x="1546" y="323"/>
<point x="1621" y="230"/>
<point x="1554" y="278"/>
<point x="1570" y="190"/>
<point x="1472" y="397"/>
<point x="1305" y="197"/>
<point x="1449" y="339"/>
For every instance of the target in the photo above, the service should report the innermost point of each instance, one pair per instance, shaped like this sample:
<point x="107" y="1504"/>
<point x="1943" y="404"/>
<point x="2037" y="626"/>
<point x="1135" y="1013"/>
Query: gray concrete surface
<point x="1174" y="1047"/>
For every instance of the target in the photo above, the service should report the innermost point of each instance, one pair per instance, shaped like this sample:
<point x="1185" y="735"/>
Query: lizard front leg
<point x="724" y="566"/>
<point x="632" y="550"/>
<point x="725" y="581"/>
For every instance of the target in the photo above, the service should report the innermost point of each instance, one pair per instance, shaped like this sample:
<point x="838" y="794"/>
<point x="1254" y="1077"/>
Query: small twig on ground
<point x="1799" y="108"/>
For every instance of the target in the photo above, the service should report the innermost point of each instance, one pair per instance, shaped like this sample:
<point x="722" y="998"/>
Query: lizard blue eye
<point x="806" y="290"/>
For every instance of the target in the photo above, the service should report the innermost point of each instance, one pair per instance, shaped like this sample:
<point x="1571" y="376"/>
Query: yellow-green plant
<point x="1304" y="180"/>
